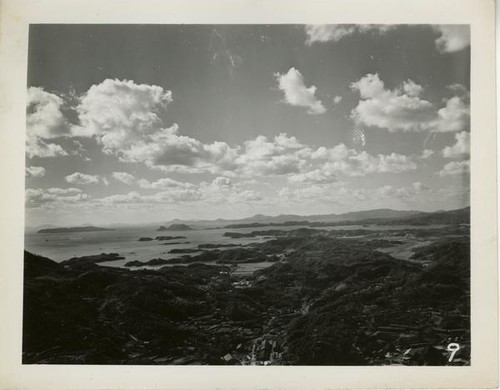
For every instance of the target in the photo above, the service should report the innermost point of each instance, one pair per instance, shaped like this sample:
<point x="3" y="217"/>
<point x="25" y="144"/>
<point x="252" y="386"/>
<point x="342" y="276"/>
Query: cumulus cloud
<point x="297" y="94"/>
<point x="222" y="182"/>
<point x="335" y="32"/>
<point x="461" y="146"/>
<point x="406" y="193"/>
<point x="124" y="177"/>
<point x="120" y="112"/>
<point x="37" y="197"/>
<point x="169" y="151"/>
<point x="318" y="176"/>
<point x="350" y="162"/>
<point x="339" y="194"/>
<point x="172" y="195"/>
<point x="44" y="118"/>
<point x="35" y="171"/>
<point x="81" y="178"/>
<point x="128" y="120"/>
<point x="44" y="123"/>
<point x="279" y="156"/>
<point x="402" y="109"/>
<point x="426" y="153"/>
<point x="455" y="168"/>
<point x="452" y="38"/>
<point x="164" y="183"/>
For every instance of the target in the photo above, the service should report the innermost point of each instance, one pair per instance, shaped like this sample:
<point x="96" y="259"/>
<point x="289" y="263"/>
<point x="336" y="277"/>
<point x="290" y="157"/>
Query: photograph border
<point x="15" y="17"/>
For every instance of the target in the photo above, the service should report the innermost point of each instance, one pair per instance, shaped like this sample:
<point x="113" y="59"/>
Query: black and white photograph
<point x="251" y="194"/>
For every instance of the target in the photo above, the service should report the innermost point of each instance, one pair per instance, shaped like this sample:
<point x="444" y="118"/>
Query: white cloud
<point x="35" y="147"/>
<point x="297" y="94"/>
<point x="335" y="32"/>
<point x="406" y="193"/>
<point x="163" y="183"/>
<point x="169" y="151"/>
<point x="120" y="113"/>
<point x="44" y="121"/>
<point x="461" y="146"/>
<point x="124" y="177"/>
<point x="455" y="168"/>
<point x="35" y="171"/>
<point x="128" y="120"/>
<point x="63" y="191"/>
<point x="281" y="156"/>
<point x="318" y="176"/>
<point x="44" y="118"/>
<point x="426" y="153"/>
<point x="339" y="194"/>
<point x="350" y="162"/>
<point x="81" y="178"/>
<point x="452" y="38"/>
<point x="336" y="100"/>
<point x="454" y="116"/>
<point x="36" y="197"/>
<point x="222" y="182"/>
<point x="402" y="109"/>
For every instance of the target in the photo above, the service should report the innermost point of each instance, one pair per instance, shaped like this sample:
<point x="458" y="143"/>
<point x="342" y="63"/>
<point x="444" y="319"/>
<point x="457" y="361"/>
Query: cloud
<point x="336" y="100"/>
<point x="405" y="193"/>
<point x="35" y="147"/>
<point x="44" y="118"/>
<point x="44" y="121"/>
<point x="222" y="182"/>
<point x="37" y="197"/>
<point x="335" y="32"/>
<point x="426" y="153"/>
<point x="297" y="94"/>
<point x="169" y="151"/>
<point x="317" y="176"/>
<point x="402" y="109"/>
<point x="350" y="162"/>
<point x="63" y="191"/>
<point x="120" y="113"/>
<point x="128" y="120"/>
<point x="81" y="178"/>
<point x="339" y="194"/>
<point x="164" y="183"/>
<point x="452" y="38"/>
<point x="124" y="177"/>
<point x="461" y="146"/>
<point x="280" y="156"/>
<point x="35" y="171"/>
<point x="455" y="168"/>
<point x="454" y="116"/>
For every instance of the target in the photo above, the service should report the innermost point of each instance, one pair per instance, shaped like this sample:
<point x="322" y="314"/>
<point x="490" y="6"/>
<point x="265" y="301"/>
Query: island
<point x="92" y="259"/>
<point x="174" y="227"/>
<point x="78" y="229"/>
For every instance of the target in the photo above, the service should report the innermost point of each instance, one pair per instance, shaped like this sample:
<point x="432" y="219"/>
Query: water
<point x="124" y="241"/>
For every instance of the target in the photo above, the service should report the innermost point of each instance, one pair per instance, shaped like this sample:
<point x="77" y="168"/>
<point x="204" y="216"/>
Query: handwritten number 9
<point x="453" y="348"/>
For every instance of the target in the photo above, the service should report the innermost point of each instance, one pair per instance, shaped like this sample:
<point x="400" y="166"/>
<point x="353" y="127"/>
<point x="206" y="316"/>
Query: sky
<point x="147" y="123"/>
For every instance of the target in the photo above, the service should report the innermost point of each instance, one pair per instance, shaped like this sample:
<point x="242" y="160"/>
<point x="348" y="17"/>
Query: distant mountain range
<point x="77" y="229"/>
<point x="385" y="216"/>
<point x="377" y="216"/>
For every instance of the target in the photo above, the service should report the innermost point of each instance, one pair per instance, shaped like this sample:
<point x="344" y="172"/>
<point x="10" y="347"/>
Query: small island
<point x="78" y="229"/>
<point x="174" y="227"/>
